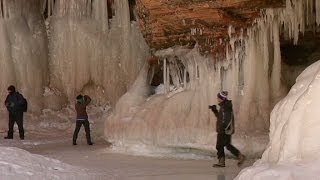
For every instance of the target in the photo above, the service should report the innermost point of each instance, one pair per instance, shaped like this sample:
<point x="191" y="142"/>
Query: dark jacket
<point x="225" y="118"/>
<point x="14" y="102"/>
<point x="81" y="108"/>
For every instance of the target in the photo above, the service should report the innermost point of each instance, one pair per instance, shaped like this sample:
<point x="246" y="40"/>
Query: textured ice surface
<point x="293" y="150"/>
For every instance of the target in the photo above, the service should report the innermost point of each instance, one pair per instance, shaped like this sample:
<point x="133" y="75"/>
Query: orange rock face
<point x="165" y="23"/>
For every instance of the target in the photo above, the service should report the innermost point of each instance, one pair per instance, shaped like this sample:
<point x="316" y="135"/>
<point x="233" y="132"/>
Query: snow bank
<point x="294" y="148"/>
<point x="19" y="164"/>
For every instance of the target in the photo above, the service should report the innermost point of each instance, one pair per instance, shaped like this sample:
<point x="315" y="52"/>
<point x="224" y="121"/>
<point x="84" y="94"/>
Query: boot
<point x="221" y="163"/>
<point x="241" y="159"/>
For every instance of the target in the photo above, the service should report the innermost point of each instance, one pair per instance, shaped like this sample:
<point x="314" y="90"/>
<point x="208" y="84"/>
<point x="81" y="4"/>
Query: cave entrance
<point x="167" y="74"/>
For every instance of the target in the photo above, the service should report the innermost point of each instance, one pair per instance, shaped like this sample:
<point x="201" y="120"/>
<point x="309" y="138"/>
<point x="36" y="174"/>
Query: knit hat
<point x="223" y="95"/>
<point x="12" y="88"/>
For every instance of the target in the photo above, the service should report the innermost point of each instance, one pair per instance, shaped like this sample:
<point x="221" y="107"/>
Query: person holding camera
<point x="82" y="118"/>
<point x="225" y="129"/>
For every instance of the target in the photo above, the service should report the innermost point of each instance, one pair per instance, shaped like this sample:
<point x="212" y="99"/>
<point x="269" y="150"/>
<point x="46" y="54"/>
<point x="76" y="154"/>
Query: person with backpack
<point x="16" y="105"/>
<point x="82" y="118"/>
<point x="225" y="129"/>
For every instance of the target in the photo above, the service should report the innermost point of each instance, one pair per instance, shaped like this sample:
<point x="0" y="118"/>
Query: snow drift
<point x="19" y="164"/>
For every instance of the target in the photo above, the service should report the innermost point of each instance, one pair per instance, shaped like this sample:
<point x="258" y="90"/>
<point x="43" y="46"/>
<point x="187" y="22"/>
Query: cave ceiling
<point x="165" y="23"/>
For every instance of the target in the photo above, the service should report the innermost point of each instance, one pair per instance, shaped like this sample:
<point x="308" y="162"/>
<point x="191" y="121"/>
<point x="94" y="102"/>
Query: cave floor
<point x="100" y="162"/>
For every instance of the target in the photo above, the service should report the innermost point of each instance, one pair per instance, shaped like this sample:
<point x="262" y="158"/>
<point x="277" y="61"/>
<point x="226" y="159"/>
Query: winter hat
<point x="222" y="95"/>
<point x="11" y="88"/>
<point x="80" y="98"/>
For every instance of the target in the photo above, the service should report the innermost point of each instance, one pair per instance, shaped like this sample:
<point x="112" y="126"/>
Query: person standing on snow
<point x="225" y="129"/>
<point x="82" y="118"/>
<point x="16" y="104"/>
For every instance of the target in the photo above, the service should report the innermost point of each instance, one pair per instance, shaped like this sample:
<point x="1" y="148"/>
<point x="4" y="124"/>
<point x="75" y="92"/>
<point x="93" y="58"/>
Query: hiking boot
<point x="221" y="163"/>
<point x="74" y="143"/>
<point x="8" y="137"/>
<point x="90" y="143"/>
<point x="241" y="159"/>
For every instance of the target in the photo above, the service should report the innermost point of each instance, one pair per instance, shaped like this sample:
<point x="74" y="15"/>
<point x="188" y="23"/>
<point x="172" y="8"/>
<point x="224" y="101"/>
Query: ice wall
<point x="91" y="54"/>
<point x="294" y="130"/>
<point x="251" y="72"/>
<point x="23" y="54"/>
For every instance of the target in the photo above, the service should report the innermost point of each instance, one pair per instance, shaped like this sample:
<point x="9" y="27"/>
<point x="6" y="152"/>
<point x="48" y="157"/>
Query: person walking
<point x="225" y="129"/>
<point x="16" y="105"/>
<point x="82" y="118"/>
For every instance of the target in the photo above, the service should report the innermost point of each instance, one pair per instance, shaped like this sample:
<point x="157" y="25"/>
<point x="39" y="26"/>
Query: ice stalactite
<point x="90" y="53"/>
<point x="251" y="72"/>
<point x="23" y="55"/>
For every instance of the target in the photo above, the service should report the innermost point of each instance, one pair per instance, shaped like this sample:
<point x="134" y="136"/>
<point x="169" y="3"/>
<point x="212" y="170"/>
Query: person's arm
<point x="88" y="99"/>
<point x="214" y="110"/>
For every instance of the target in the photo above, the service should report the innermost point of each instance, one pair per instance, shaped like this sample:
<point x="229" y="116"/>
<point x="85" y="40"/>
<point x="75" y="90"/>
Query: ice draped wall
<point x="82" y="51"/>
<point x="251" y="72"/>
<point x="24" y="52"/>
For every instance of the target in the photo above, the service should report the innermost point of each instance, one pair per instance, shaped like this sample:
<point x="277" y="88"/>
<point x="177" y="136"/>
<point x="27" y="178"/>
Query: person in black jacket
<point x="14" y="103"/>
<point x="225" y="129"/>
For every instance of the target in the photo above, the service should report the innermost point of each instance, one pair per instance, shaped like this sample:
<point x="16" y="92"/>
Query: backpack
<point x="24" y="106"/>
<point x="230" y="127"/>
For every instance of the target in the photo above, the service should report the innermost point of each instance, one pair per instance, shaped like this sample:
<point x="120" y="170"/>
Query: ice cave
<point x="152" y="68"/>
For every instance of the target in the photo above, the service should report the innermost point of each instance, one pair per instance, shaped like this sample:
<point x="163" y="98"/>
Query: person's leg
<point x="10" y="125"/>
<point x="87" y="129"/>
<point x="19" y="120"/>
<point x="76" y="132"/>
<point x="230" y="147"/>
<point x="220" y="146"/>
<point x="241" y="158"/>
<point x="220" y="151"/>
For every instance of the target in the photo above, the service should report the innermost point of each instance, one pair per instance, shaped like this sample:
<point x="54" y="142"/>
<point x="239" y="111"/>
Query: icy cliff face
<point x="85" y="51"/>
<point x="251" y="72"/>
<point x="293" y="150"/>
<point x="23" y="55"/>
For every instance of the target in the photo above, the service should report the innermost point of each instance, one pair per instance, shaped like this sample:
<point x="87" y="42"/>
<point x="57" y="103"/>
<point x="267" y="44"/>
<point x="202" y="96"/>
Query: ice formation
<point x="76" y="49"/>
<point x="89" y="54"/>
<point x="293" y="150"/>
<point x="251" y="72"/>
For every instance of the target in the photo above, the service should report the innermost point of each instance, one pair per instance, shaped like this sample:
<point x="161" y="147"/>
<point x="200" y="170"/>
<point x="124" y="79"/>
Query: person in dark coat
<point x="82" y="118"/>
<point x="14" y="104"/>
<point x="225" y="129"/>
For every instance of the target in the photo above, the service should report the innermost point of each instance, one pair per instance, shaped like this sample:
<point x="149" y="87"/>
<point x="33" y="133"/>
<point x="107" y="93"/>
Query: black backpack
<point x="24" y="105"/>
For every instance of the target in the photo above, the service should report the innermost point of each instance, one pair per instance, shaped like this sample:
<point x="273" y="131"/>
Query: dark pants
<point x="86" y="125"/>
<point x="16" y="117"/>
<point x="224" y="140"/>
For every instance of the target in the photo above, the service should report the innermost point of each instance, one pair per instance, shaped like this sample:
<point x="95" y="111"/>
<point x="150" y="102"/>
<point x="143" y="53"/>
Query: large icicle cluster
<point x="53" y="50"/>
<point x="23" y="54"/>
<point x="89" y="55"/>
<point x="251" y="73"/>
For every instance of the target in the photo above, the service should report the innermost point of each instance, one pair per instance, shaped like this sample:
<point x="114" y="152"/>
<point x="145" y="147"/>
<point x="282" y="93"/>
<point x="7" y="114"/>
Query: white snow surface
<point x="294" y="148"/>
<point x="16" y="163"/>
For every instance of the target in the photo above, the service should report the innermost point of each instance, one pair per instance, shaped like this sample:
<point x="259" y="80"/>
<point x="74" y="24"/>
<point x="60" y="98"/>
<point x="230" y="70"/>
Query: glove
<point x="10" y="104"/>
<point x="213" y="107"/>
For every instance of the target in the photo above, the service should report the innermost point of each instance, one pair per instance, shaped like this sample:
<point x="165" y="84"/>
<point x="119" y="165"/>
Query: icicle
<point x="165" y="75"/>
<point x="318" y="12"/>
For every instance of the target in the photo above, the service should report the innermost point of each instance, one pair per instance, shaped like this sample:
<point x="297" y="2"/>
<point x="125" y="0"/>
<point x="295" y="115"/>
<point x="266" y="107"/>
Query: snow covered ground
<point x="99" y="162"/>
<point x="16" y="163"/>
<point x="294" y="148"/>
